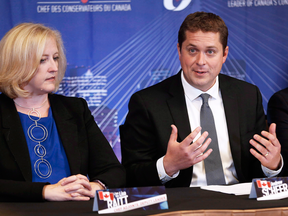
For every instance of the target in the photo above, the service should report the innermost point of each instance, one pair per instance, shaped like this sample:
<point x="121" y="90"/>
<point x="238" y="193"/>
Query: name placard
<point x="269" y="188"/>
<point x="126" y="199"/>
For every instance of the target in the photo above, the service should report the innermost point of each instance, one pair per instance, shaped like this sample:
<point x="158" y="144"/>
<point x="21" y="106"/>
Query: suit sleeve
<point x="139" y="145"/>
<point x="277" y="112"/>
<point x="13" y="186"/>
<point x="103" y="164"/>
<point x="255" y="125"/>
<point x="21" y="191"/>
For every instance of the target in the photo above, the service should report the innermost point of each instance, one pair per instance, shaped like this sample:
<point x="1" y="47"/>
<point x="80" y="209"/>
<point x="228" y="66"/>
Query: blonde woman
<point x="50" y="146"/>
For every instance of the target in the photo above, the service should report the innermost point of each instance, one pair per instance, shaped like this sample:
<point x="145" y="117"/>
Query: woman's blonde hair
<point x="21" y="50"/>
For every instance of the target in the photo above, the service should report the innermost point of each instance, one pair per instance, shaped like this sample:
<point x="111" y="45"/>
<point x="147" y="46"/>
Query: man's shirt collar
<point x="192" y="93"/>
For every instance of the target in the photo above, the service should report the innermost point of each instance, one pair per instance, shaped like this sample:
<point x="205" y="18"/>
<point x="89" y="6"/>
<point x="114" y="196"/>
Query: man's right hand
<point x="183" y="155"/>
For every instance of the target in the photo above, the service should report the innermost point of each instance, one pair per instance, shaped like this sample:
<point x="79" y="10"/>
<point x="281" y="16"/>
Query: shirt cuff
<point x="101" y="183"/>
<point x="271" y="173"/>
<point x="161" y="172"/>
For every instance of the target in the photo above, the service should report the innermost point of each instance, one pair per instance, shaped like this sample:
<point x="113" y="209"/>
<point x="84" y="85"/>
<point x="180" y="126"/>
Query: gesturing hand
<point x="183" y="155"/>
<point x="269" y="152"/>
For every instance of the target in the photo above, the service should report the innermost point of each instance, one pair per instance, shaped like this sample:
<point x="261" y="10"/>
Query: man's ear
<point x="179" y="50"/>
<point x="225" y="54"/>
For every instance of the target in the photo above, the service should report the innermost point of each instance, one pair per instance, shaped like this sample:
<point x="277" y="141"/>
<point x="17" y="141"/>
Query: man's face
<point x="201" y="58"/>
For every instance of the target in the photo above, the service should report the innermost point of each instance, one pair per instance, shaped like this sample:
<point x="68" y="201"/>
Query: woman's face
<point x="45" y="78"/>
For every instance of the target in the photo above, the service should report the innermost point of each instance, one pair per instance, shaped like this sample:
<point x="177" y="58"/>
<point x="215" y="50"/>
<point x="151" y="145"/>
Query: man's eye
<point x="210" y="52"/>
<point x="192" y="50"/>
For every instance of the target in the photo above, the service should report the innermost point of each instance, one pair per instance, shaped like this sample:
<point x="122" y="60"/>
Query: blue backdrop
<point x="117" y="47"/>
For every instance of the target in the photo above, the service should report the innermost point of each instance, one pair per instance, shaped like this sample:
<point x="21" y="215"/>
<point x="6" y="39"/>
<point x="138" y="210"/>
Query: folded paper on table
<point x="236" y="189"/>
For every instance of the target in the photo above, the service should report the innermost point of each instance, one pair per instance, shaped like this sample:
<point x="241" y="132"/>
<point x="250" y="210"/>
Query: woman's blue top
<point x="38" y="140"/>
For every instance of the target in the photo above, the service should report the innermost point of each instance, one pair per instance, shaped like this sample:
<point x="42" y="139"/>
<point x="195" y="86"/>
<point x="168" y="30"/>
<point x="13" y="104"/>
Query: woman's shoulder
<point x="68" y="102"/>
<point x="67" y="99"/>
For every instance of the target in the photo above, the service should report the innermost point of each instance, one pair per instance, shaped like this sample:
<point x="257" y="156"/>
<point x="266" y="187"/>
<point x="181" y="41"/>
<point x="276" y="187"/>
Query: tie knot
<point x="205" y="97"/>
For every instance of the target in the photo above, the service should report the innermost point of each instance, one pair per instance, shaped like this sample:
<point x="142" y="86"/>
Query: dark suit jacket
<point x="87" y="150"/>
<point x="277" y="112"/>
<point x="146" y="131"/>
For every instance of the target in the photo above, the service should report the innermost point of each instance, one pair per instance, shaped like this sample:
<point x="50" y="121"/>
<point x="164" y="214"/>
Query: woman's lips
<point x="51" y="79"/>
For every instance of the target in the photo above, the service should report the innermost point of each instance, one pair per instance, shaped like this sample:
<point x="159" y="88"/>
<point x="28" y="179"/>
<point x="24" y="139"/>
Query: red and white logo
<point x="263" y="184"/>
<point x="105" y="195"/>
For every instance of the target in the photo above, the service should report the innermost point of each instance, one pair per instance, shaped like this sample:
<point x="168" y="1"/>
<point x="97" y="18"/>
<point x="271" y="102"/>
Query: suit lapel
<point x="14" y="136"/>
<point x="230" y="102"/>
<point x="67" y="129"/>
<point x="178" y="109"/>
<point x="179" y="113"/>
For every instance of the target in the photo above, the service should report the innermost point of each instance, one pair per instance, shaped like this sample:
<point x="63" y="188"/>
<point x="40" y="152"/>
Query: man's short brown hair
<point x="205" y="22"/>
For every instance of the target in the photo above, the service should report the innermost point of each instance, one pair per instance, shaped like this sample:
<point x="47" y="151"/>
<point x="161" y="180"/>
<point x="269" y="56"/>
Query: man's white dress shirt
<point x="194" y="103"/>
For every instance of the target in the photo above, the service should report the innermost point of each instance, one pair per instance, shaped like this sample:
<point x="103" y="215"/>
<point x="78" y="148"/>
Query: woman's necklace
<point x="39" y="149"/>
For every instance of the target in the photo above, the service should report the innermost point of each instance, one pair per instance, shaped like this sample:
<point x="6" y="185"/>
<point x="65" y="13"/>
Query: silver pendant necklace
<point x="39" y="149"/>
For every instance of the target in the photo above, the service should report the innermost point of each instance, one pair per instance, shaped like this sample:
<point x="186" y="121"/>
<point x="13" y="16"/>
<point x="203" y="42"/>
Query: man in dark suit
<point x="153" y="155"/>
<point x="277" y="112"/>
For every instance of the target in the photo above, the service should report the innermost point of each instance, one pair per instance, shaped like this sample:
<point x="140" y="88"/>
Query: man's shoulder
<point x="283" y="93"/>
<point x="224" y="77"/>
<point x="280" y="95"/>
<point x="162" y="87"/>
<point x="235" y="83"/>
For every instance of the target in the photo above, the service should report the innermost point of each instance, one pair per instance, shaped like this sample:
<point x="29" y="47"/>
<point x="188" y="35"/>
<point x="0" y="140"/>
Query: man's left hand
<point x="269" y="152"/>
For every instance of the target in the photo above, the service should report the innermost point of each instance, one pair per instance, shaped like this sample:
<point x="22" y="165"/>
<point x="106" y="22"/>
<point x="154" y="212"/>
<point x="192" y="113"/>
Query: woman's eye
<point x="43" y="60"/>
